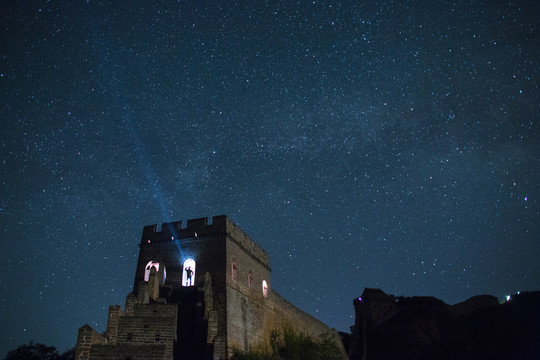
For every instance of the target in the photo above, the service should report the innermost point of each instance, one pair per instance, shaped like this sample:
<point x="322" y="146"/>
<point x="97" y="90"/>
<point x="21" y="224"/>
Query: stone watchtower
<point x="200" y="291"/>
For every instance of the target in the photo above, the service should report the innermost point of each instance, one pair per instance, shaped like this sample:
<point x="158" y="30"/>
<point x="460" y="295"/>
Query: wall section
<point x="252" y="318"/>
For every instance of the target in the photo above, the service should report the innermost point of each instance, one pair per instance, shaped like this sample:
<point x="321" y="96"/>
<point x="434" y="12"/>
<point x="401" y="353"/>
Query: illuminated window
<point x="234" y="270"/>
<point x="265" y="288"/>
<point x="149" y="266"/>
<point x="250" y="280"/>
<point x="188" y="273"/>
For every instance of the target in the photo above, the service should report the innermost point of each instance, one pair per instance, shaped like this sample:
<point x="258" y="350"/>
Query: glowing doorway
<point x="188" y="273"/>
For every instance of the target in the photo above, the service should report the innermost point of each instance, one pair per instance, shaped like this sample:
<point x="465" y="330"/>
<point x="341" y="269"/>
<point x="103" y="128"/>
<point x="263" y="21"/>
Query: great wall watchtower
<point x="200" y="291"/>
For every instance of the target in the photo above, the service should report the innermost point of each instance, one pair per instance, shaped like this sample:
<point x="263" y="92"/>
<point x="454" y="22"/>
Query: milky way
<point x="388" y="144"/>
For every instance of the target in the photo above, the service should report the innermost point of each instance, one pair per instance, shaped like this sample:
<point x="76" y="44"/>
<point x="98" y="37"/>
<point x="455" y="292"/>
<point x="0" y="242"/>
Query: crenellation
<point x="148" y="230"/>
<point x="197" y="224"/>
<point x="171" y="229"/>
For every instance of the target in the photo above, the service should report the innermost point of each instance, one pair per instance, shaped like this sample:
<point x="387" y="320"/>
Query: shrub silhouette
<point x="291" y="345"/>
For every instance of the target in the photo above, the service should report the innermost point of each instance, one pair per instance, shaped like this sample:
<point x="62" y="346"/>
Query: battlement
<point x="175" y="230"/>
<point x="202" y="228"/>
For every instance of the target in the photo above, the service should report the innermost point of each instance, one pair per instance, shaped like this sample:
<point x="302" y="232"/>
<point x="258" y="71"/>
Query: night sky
<point x="387" y="144"/>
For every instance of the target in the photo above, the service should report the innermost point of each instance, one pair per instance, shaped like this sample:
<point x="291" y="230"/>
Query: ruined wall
<point x="86" y="339"/>
<point x="148" y="331"/>
<point x="115" y="312"/>
<point x="151" y="324"/>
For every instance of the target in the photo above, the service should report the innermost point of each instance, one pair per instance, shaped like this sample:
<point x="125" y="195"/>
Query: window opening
<point x="156" y="265"/>
<point x="250" y="280"/>
<point x="188" y="273"/>
<point x="149" y="266"/>
<point x="234" y="270"/>
<point x="265" y="288"/>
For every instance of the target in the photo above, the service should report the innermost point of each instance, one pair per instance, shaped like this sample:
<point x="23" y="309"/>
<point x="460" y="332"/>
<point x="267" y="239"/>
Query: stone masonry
<point x="200" y="291"/>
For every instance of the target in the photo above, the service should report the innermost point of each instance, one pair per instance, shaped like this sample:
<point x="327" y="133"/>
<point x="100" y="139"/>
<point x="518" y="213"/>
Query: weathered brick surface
<point x="85" y="340"/>
<point x="126" y="351"/>
<point x="150" y="324"/>
<point x="251" y="322"/>
<point x="246" y="306"/>
<point x="131" y="301"/>
<point x="286" y="314"/>
<point x="252" y="317"/>
<point x="112" y="323"/>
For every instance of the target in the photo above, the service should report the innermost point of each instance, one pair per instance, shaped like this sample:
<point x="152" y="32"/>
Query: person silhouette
<point x="189" y="274"/>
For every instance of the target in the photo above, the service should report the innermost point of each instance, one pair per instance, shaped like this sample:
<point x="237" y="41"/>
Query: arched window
<point x="188" y="273"/>
<point x="234" y="270"/>
<point x="148" y="267"/>
<point x="265" y="288"/>
<point x="250" y="280"/>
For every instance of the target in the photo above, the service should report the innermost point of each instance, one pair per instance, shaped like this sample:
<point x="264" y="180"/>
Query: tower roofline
<point x="193" y="228"/>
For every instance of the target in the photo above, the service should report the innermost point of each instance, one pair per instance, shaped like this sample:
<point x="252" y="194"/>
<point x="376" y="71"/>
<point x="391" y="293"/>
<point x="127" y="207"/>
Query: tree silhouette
<point x="33" y="351"/>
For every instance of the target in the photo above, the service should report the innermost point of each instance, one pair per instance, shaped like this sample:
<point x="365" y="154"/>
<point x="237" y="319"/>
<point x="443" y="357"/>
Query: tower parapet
<point x="175" y="231"/>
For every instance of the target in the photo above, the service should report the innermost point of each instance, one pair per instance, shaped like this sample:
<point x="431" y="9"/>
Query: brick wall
<point x="151" y="324"/>
<point x="147" y="332"/>
<point x="112" y="323"/>
<point x="251" y="317"/>
<point x="86" y="338"/>
<point x="245" y="305"/>
<point x="251" y="322"/>
<point x="126" y="351"/>
<point x="286" y="314"/>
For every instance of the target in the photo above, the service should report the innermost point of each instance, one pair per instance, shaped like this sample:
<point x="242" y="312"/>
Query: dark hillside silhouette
<point x="389" y="327"/>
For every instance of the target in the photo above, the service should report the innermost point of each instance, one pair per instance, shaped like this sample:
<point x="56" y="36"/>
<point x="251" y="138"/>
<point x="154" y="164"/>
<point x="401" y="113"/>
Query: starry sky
<point x="388" y="144"/>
